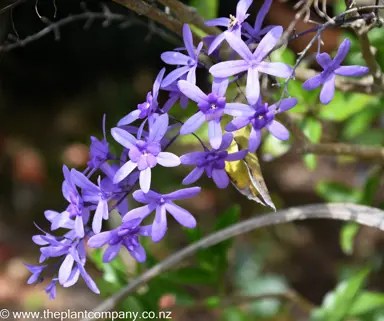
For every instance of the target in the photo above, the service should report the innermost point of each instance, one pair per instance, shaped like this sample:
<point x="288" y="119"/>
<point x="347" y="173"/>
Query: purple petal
<point x="216" y="42"/>
<point x="174" y="58"/>
<point x="167" y="159"/>
<point x="228" y="68"/>
<point x="83" y="182"/>
<point x="227" y="141"/>
<point x="285" y="104"/>
<point x="62" y="221"/>
<point x="193" y="176"/>
<point x="241" y="9"/>
<point x="99" y="240"/>
<point x="223" y="22"/>
<point x="188" y="40"/>
<point x="239" y="46"/>
<point x="181" y="215"/>
<point x="313" y="83"/>
<point x="219" y="86"/>
<point x="278" y="130"/>
<point x="182" y="193"/>
<point x="124" y="171"/>
<point x="238" y="110"/>
<point x="342" y="52"/>
<point x="191" y="75"/>
<point x="220" y="177"/>
<point x="139" y="212"/>
<point x="157" y="84"/>
<point x="328" y="90"/>
<point x="352" y="71"/>
<point x="324" y="60"/>
<point x="130" y="118"/>
<point x="73" y="278"/>
<point x="193" y="123"/>
<point x="145" y="180"/>
<point x="277" y="69"/>
<point x="138" y="253"/>
<point x="268" y="43"/>
<point x="175" y="75"/>
<point x="79" y="226"/>
<point x="139" y="196"/>
<point x="123" y="137"/>
<point x="50" y="215"/>
<point x="215" y="133"/>
<point x="191" y="91"/>
<point x="158" y="129"/>
<point x="237" y="123"/>
<point x="192" y="158"/>
<point x="170" y="103"/>
<point x="100" y="213"/>
<point x="111" y="252"/>
<point x="66" y="269"/>
<point x="237" y="155"/>
<point x="159" y="226"/>
<point x="254" y="140"/>
<point x="261" y="14"/>
<point x="88" y="280"/>
<point x="39" y="240"/>
<point x="253" y="86"/>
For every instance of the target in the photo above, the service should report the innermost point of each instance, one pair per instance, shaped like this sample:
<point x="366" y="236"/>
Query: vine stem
<point x="364" y="215"/>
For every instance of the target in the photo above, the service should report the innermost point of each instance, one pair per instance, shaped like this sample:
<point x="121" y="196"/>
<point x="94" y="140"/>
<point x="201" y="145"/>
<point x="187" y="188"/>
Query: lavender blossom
<point x="99" y="150"/>
<point x="263" y="117"/>
<point x="174" y="95"/>
<point x="233" y="23"/>
<point x="51" y="289"/>
<point x="125" y="235"/>
<point x="36" y="270"/>
<point x="163" y="203"/>
<point x="253" y="63"/>
<point x="148" y="108"/>
<point x="189" y="62"/>
<point x="331" y="68"/>
<point x="212" y="108"/>
<point x="144" y="155"/>
<point x="212" y="162"/>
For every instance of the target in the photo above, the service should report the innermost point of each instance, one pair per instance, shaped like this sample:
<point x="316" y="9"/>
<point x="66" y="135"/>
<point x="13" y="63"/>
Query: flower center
<point x="262" y="117"/>
<point x="233" y="22"/>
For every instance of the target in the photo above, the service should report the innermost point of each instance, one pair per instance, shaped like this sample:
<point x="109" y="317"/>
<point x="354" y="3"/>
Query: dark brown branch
<point x="338" y="211"/>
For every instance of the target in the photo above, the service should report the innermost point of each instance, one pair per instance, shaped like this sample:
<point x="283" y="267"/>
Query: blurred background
<point x="53" y="94"/>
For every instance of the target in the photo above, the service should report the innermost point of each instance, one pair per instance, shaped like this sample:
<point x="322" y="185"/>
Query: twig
<point x="189" y="15"/>
<point x="337" y="211"/>
<point x="364" y="152"/>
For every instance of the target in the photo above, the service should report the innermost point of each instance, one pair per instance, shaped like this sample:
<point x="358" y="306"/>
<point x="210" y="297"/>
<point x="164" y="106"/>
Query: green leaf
<point x="372" y="137"/>
<point x="347" y="236"/>
<point x="335" y="192"/>
<point x="371" y="187"/>
<point x="338" y="304"/>
<point x="359" y="123"/>
<point x="366" y="302"/>
<point x="234" y="314"/>
<point x="273" y="147"/>
<point x="312" y="129"/>
<point x="207" y="9"/>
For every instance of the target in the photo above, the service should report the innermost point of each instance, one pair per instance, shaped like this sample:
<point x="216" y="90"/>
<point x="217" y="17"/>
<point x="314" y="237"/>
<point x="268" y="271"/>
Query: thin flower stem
<point x="364" y="215"/>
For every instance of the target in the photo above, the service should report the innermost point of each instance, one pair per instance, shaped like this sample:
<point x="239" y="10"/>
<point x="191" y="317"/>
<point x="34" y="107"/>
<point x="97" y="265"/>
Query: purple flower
<point x="255" y="34"/>
<point x="51" y="289"/>
<point x="125" y="235"/>
<point x="144" y="155"/>
<point x="36" y="270"/>
<point x="147" y="108"/>
<point x="232" y="23"/>
<point x="95" y="194"/>
<point x="189" y="62"/>
<point x="263" y="117"/>
<point x="59" y="220"/>
<point x="163" y="203"/>
<point x="174" y="95"/>
<point x="253" y="63"/>
<point x="212" y="108"/>
<point x="331" y="69"/>
<point x="99" y="150"/>
<point x="212" y="162"/>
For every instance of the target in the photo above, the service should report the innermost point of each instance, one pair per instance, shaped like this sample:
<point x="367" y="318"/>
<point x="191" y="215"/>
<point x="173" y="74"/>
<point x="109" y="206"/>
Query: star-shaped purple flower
<point x="174" y="95"/>
<point x="233" y="23"/>
<point x="144" y="154"/>
<point x="146" y="109"/>
<point x="263" y="117"/>
<point x="125" y="235"/>
<point x="163" y="203"/>
<point x="212" y="108"/>
<point x="253" y="62"/>
<point x="189" y="63"/>
<point x="212" y="163"/>
<point x="332" y="68"/>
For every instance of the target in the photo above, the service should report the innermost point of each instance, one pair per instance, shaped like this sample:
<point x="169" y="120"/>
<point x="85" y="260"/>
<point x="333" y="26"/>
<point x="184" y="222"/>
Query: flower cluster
<point x="145" y="134"/>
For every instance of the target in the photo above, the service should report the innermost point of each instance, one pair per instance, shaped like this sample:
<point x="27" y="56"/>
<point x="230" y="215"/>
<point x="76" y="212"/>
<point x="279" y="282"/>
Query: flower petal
<point x="111" y="252"/>
<point x="183" y="193"/>
<point x="254" y="140"/>
<point x="88" y="280"/>
<point x="219" y="86"/>
<point x="223" y="22"/>
<point x="158" y="128"/>
<point x="268" y="42"/>
<point x="192" y="158"/>
<point x="130" y="118"/>
<point x="277" y="69"/>
<point x="241" y="9"/>
<point x="66" y="269"/>
<point x="188" y="40"/>
<point x="139" y="212"/>
<point x="167" y="159"/>
<point x="157" y="84"/>
<point x="314" y="82"/>
<point x="228" y="68"/>
<point x="191" y="75"/>
<point x="175" y="75"/>
<point x="100" y="213"/>
<point x="159" y="225"/>
<point x="138" y="253"/>
<point x="191" y="91"/>
<point x="174" y="58"/>
<point x="215" y="133"/>
<point x="278" y="130"/>
<point x="237" y="123"/>
<point x="123" y="137"/>
<point x="79" y="226"/>
<point x="328" y="90"/>
<point x="352" y="71"/>
<point x="236" y="156"/>
<point x="181" y="215"/>
<point x="324" y="60"/>
<point x="193" y="176"/>
<point x="99" y="240"/>
<point x="285" y="104"/>
<point x="193" y="123"/>
<point x="261" y="15"/>
<point x="216" y="43"/>
<point x="253" y="86"/>
<point x="342" y="52"/>
<point x="124" y="171"/>
<point x="145" y="180"/>
<point x="227" y="141"/>
<point x="239" y="46"/>
<point x="220" y="177"/>
<point x="238" y="110"/>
